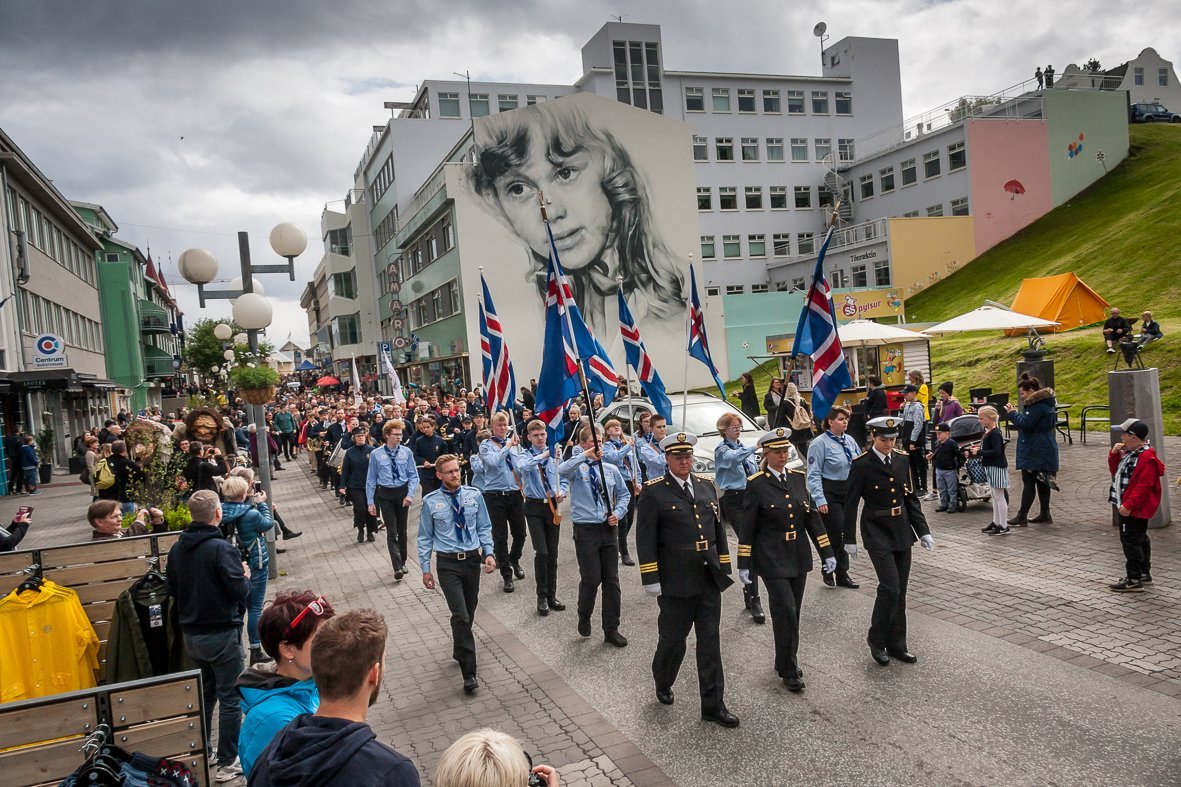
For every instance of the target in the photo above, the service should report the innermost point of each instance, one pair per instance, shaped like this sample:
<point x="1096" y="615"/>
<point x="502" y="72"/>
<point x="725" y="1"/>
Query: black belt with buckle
<point x="895" y="511"/>
<point x="696" y="546"/>
<point x="472" y="553"/>
<point x="502" y="492"/>
<point x="790" y="535"/>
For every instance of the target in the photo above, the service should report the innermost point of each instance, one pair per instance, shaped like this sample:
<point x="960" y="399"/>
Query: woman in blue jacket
<point x="273" y="695"/>
<point x="250" y="520"/>
<point x="1037" y="447"/>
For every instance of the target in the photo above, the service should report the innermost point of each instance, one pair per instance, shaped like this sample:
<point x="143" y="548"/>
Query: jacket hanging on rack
<point x="47" y="644"/>
<point x="145" y="639"/>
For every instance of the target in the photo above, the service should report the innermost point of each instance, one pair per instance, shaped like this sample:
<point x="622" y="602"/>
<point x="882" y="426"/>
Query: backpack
<point x="104" y="476"/>
<point x="801" y="421"/>
<point x="84" y="476"/>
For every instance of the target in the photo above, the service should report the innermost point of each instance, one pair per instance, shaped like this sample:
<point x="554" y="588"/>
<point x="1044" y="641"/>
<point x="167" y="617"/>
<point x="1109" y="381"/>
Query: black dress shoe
<point x="518" y="572"/>
<point x="542" y="607"/>
<point x="626" y="559"/>
<point x="280" y="551"/>
<point x="665" y="696"/>
<point x="1042" y="519"/>
<point x="847" y="582"/>
<point x="829" y="579"/>
<point x="720" y="716"/>
<point x="756" y="610"/>
<point x="360" y="536"/>
<point x="583" y="627"/>
<point x="555" y="605"/>
<point x="508" y="585"/>
<point x="470" y="684"/>
<point x="613" y="637"/>
<point x="398" y="574"/>
<point x="794" y="683"/>
<point x="905" y="656"/>
<point x="1018" y="521"/>
<point x="292" y="534"/>
<point x="370" y="538"/>
<point x="879" y="654"/>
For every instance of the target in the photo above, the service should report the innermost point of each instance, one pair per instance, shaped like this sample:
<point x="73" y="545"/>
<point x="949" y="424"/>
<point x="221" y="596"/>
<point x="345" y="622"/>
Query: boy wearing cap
<point x="1136" y="493"/>
<point x="946" y="458"/>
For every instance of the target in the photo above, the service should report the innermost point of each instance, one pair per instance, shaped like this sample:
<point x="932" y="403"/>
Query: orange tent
<point x="1064" y="298"/>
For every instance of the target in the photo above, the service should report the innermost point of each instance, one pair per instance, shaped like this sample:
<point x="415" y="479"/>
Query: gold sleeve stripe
<point x="724" y="558"/>
<point x="823" y="541"/>
<point x="653" y="564"/>
<point x="647" y="569"/>
<point x="743" y="550"/>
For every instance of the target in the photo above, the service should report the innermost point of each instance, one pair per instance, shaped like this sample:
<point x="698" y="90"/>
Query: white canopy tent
<point x="867" y="333"/>
<point x="988" y="318"/>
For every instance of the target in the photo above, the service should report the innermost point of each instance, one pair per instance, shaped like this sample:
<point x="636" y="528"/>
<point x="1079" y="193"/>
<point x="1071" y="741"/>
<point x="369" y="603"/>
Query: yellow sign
<point x="890" y="359"/>
<point x="867" y="304"/>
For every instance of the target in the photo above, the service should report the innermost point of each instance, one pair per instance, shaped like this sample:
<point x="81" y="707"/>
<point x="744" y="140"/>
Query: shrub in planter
<point x="255" y="384"/>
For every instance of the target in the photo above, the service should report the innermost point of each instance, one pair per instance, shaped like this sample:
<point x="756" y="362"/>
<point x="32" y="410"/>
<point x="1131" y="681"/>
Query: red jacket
<point x="1142" y="497"/>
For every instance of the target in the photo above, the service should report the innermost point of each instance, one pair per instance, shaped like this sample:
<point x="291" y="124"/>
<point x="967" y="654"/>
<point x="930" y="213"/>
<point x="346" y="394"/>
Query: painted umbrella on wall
<point x="1014" y="187"/>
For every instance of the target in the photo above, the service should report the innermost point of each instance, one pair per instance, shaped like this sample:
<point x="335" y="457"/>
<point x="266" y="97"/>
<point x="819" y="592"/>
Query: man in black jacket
<point x="876" y="404"/>
<point x="211" y="586"/>
<point x="1115" y="329"/>
<point x="127" y="474"/>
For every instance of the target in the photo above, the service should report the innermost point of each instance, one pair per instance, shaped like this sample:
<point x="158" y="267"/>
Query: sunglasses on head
<point x="316" y="607"/>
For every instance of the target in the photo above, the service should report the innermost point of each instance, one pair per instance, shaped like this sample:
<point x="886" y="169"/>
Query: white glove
<point x="744" y="576"/>
<point x="830" y="563"/>
<point x="928" y="543"/>
<point x="851" y="550"/>
<point x="653" y="589"/>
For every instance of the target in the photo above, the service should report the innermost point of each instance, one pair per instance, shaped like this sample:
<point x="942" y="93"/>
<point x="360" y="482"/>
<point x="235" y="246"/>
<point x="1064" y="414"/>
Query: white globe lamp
<point x="252" y="311"/>
<point x="223" y="331"/>
<point x="228" y="355"/>
<point x="197" y="266"/>
<point x="236" y="284"/>
<point x="288" y="240"/>
<point x="241" y="338"/>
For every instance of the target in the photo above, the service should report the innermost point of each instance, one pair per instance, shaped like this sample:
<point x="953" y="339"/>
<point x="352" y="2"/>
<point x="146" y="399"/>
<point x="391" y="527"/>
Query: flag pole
<point x="631" y="405"/>
<point x="590" y="402"/>
<point x="688" y="343"/>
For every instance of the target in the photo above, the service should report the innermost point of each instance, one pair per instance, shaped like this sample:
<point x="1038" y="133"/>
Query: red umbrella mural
<point x="328" y="380"/>
<point x="1014" y="188"/>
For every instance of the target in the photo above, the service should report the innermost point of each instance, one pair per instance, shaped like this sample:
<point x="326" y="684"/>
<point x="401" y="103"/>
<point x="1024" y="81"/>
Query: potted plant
<point x="44" y="440"/>
<point x="255" y="383"/>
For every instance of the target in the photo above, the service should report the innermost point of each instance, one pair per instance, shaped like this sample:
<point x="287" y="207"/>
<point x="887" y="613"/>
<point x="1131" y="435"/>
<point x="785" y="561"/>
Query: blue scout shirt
<point x="654" y="460"/>
<point x="829" y="457"/>
<point x="622" y="456"/>
<point x="391" y="468"/>
<point x="497" y="456"/>
<point x="585" y="505"/>
<point x="437" y="530"/>
<point x="531" y="466"/>
<point x="732" y="464"/>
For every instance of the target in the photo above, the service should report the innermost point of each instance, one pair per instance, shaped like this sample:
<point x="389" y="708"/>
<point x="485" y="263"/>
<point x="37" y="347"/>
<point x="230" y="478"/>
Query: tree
<point x="1093" y="66"/>
<point x="969" y="106"/>
<point x="204" y="351"/>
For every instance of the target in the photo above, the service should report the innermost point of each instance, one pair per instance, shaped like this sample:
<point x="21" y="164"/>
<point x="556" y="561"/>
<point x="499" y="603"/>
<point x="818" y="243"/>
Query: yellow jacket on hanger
<point x="47" y="644"/>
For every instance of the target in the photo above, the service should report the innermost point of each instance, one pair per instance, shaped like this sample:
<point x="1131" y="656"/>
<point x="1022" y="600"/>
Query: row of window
<point x="1162" y="76"/>
<point x="438" y="304"/>
<point x="426" y="248"/>
<point x="382" y="180"/>
<point x="959" y="207"/>
<point x="41" y="232"/>
<point x="44" y="316"/>
<point x="752" y="198"/>
<point x="637" y="74"/>
<point x="772" y="101"/>
<point x="480" y="104"/>
<point x="385" y="231"/>
<point x="751" y="149"/>
<point x="756" y="245"/>
<point x="856" y="276"/>
<point x="932" y="168"/>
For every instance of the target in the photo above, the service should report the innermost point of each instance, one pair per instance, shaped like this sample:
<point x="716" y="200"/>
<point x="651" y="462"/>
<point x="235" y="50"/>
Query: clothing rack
<point x="44" y="740"/>
<point x="98" y="571"/>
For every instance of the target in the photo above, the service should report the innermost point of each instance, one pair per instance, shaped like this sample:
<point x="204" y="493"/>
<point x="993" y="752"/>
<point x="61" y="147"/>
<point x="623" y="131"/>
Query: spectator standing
<point x="13" y="444"/>
<point x="773" y="403"/>
<point x="1037" y="74"/>
<point x="1135" y="494"/>
<point x="285" y="423"/>
<point x="1037" y="449"/>
<point x="204" y="465"/>
<point x="1049" y="75"/>
<point x="354" y="475"/>
<point x="948" y="407"/>
<point x="914" y="438"/>
<point x="915" y="377"/>
<point x="1116" y="328"/>
<point x="30" y="465"/>
<point x="91" y="460"/>
<point x="799" y="418"/>
<point x="748" y="400"/>
<point x="876" y="403"/>
<point x="16" y="532"/>
<point x="127" y="474"/>
<point x="211" y="586"/>
<point x="996" y="465"/>
<point x="945" y="456"/>
<point x="250" y="520"/>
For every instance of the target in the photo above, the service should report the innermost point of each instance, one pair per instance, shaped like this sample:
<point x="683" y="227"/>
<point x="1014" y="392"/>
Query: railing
<point x="158" y="367"/>
<point x="153" y="318"/>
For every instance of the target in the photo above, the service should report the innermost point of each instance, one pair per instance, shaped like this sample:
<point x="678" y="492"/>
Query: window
<point x="819" y="102"/>
<point x="935" y="210"/>
<point x="823" y="148"/>
<point x="344" y="285"/>
<point x="825" y="198"/>
<point x="339" y="241"/>
<point x="909" y="173"/>
<point x="1162" y="77"/>
<point x="931" y="164"/>
<point x="754" y="197"/>
<point x="844" y="103"/>
<point x="705" y="198"/>
<point x="757" y="245"/>
<point x="805" y="243"/>
<point x="1138" y="76"/>
<point x="505" y="103"/>
<point x="881" y="273"/>
<point x="112" y="256"/>
<point x="637" y="75"/>
<point x="771" y="102"/>
<point x="750" y="148"/>
<point x="781" y="244"/>
<point x="432" y="247"/>
<point x="728" y="198"/>
<point x="779" y="198"/>
<point x="448" y="105"/>
<point x="712" y="291"/>
<point x="911" y="214"/>
<point x="956" y="157"/>
<point x="479" y="105"/>
<point x="694" y="99"/>
<point x="774" y="148"/>
<point x="798" y="284"/>
<point x="780" y="286"/>
<point x="448" y="234"/>
<point x="708" y="251"/>
<point x="795" y="102"/>
<point x="731" y="246"/>
<point x="700" y="149"/>
<point x="531" y="100"/>
<point x="758" y="288"/>
<point x="721" y="96"/>
<point x="845" y="149"/>
<point x="799" y="149"/>
<point x="859" y="275"/>
<point x="746" y="100"/>
<point x="838" y="279"/>
<point x="348" y="328"/>
<point x="886" y="180"/>
<point x="803" y="197"/>
<point x="735" y="289"/>
<point x="866" y="182"/>
<point x="725" y="148"/>
<point x="959" y="207"/>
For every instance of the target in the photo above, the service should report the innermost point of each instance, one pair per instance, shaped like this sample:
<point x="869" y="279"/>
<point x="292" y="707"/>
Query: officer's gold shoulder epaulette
<point x="759" y="474"/>
<point x="797" y="472"/>
<point x="900" y="451"/>
<point x="652" y="481"/>
<point x="861" y="456"/>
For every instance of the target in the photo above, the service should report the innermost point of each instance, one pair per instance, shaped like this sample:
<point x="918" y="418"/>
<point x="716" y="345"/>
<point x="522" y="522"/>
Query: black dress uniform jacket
<point x="681" y="542"/>
<point x="775" y="517"/>
<point x="892" y="517"/>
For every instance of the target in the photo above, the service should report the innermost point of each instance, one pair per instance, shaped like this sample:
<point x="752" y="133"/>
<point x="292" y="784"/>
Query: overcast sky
<point x="192" y="120"/>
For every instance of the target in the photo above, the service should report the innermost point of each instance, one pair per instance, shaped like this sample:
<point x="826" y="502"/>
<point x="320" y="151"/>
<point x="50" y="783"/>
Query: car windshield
<point x="701" y="418"/>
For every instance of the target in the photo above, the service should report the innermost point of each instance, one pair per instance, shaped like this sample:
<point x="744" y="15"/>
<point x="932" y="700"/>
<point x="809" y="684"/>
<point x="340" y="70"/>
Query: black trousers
<point x="1030" y="484"/>
<point x="834" y="522"/>
<point x="507" y="512"/>
<point x="388" y="500"/>
<point x="625" y="524"/>
<point x="597" y="546"/>
<point x="887" y="627"/>
<point x="732" y="511"/>
<point x="785" y="596"/>
<point x="323" y="471"/>
<point x="287" y="442"/>
<point x="361" y="518"/>
<point x="703" y="614"/>
<point x="460" y="582"/>
<point x="543" y="535"/>
<point x="918" y="469"/>
<point x="1133" y="537"/>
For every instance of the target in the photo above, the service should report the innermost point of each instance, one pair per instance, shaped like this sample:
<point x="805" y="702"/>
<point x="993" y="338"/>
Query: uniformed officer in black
<point x="892" y="520"/>
<point x="776" y="514"/>
<point x="685" y="562"/>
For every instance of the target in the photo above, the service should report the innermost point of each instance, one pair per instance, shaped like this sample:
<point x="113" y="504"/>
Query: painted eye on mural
<point x="517" y="190"/>
<point x="566" y="174"/>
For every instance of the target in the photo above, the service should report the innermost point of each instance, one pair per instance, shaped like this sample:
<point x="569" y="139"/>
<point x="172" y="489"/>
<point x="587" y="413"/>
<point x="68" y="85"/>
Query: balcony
<point x="153" y="318"/>
<point x="157" y="363"/>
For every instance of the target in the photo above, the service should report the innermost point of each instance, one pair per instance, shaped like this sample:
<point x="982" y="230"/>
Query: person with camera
<point x="249" y="520"/>
<point x="205" y="463"/>
<point x="106" y="521"/>
<point x="488" y="757"/>
<point x="11" y="536"/>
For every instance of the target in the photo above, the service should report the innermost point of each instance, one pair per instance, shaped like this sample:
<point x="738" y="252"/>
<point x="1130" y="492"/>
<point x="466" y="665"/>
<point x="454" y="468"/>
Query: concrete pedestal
<point x="1037" y="365"/>
<point x="1135" y="393"/>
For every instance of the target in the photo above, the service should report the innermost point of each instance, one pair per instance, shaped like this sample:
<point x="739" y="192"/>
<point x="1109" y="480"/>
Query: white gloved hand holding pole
<point x="928" y="543"/>
<point x="653" y="589"/>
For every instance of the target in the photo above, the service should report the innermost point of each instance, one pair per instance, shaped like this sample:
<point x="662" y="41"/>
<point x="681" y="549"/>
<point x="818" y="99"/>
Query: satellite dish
<point x="820" y="29"/>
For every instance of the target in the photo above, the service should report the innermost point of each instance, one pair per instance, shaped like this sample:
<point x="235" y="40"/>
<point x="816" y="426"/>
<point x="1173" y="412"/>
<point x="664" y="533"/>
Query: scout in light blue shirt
<point x="586" y="497"/>
<point x="439" y="530"/>
<point x="392" y="467"/>
<point x="501" y="453"/>
<point x="733" y="462"/>
<point x="533" y="465"/>
<point x="477" y="465"/>
<point x="830" y="457"/>
<point x="650" y="454"/>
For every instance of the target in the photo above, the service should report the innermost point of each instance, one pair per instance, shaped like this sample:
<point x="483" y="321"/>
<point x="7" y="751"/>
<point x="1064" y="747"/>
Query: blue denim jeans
<point x="946" y="481"/>
<point x="219" y="656"/>
<point x="258" y="595"/>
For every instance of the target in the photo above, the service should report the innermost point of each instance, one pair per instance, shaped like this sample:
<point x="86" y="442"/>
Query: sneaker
<point x="227" y="773"/>
<point x="1000" y="531"/>
<point x="991" y="527"/>
<point x="1111" y="351"/>
<point x="1146" y="579"/>
<point x="1127" y="586"/>
<point x="941" y="509"/>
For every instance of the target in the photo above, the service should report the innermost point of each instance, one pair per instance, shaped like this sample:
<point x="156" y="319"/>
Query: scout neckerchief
<point x="393" y="455"/>
<point x="457" y="514"/>
<point x="541" y="469"/>
<point x="841" y="442"/>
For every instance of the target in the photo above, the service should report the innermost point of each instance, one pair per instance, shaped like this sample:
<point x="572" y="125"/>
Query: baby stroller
<point x="973" y="480"/>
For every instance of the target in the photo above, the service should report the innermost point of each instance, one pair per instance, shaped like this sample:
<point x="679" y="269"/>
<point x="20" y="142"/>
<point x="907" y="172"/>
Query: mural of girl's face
<point x="577" y="205"/>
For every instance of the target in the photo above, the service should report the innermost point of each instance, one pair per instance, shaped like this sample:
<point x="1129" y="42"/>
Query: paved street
<point x="1030" y="671"/>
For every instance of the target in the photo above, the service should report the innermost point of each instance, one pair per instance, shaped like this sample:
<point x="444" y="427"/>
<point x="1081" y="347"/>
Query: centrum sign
<point x="49" y="352"/>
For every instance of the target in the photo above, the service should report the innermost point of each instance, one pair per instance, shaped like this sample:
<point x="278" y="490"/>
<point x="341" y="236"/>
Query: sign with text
<point x="867" y="304"/>
<point x="49" y="352"/>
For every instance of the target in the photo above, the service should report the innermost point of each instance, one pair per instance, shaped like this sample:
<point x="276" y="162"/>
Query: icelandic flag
<point x="558" y="382"/>
<point x="638" y="359"/>
<point x="500" y="384"/>
<point x="698" y="343"/>
<point x="816" y="336"/>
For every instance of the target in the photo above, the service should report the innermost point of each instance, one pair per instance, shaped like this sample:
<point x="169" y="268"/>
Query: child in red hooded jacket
<point x="1135" y="492"/>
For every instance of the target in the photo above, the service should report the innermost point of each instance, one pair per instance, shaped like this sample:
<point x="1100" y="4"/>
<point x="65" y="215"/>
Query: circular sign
<point x="395" y="305"/>
<point x="49" y="345"/>
<point x="399" y="342"/>
<point x="398" y="323"/>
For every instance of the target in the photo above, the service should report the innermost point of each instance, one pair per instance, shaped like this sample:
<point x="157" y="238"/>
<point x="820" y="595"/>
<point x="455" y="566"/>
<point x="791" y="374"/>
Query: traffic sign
<point x="383" y="347"/>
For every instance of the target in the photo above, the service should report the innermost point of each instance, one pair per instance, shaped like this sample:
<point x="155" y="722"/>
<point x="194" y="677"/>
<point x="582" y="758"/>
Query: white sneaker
<point x="227" y="773"/>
